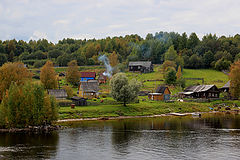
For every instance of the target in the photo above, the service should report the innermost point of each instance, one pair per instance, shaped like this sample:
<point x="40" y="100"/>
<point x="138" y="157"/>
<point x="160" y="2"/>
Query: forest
<point x="189" y="51"/>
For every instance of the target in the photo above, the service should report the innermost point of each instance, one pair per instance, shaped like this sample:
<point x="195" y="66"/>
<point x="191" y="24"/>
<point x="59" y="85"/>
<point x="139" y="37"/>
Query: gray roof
<point x="90" y="86"/>
<point x="161" y="89"/>
<point x="227" y="85"/>
<point x="58" y="93"/>
<point x="198" y="88"/>
<point x="141" y="63"/>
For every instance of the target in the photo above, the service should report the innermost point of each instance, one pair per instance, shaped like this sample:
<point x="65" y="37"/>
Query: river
<point x="213" y="136"/>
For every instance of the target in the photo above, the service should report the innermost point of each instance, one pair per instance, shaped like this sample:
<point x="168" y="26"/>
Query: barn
<point x="85" y="76"/>
<point x="89" y="89"/>
<point x="141" y="66"/>
<point x="162" y="94"/>
<point x="58" y="93"/>
<point x="201" y="91"/>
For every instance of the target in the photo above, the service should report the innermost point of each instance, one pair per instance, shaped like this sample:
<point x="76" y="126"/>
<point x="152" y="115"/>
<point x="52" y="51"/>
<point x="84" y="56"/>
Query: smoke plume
<point x="107" y="65"/>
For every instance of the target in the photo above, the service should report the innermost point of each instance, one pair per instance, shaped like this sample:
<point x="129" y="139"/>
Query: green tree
<point x="73" y="74"/>
<point x="27" y="104"/>
<point x="222" y="64"/>
<point x="55" y="53"/>
<point x="208" y="58"/>
<point x="170" y="77"/>
<point x="48" y="76"/>
<point x="3" y="59"/>
<point x="171" y="54"/>
<point x="193" y="41"/>
<point x="122" y="90"/>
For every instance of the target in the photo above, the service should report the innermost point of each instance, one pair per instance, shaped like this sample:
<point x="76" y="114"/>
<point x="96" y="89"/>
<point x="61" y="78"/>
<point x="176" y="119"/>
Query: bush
<point x="27" y="104"/>
<point x="69" y="91"/>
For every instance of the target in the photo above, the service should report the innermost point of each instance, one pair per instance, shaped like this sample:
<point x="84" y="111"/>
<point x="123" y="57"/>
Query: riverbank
<point x="193" y="114"/>
<point x="146" y="108"/>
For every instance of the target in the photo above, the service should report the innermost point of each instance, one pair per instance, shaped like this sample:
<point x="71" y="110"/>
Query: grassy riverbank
<point x="141" y="109"/>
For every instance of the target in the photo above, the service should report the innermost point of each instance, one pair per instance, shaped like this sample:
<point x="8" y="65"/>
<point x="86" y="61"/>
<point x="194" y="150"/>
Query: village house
<point x="226" y="87"/>
<point x="141" y="66"/>
<point x="89" y="89"/>
<point x="85" y="76"/>
<point x="102" y="78"/>
<point x="162" y="94"/>
<point x="58" y="93"/>
<point x="201" y="91"/>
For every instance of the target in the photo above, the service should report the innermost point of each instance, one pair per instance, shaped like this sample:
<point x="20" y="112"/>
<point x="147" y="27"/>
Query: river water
<point x="213" y="136"/>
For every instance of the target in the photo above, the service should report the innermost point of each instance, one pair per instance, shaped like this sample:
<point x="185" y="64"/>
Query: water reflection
<point x="27" y="146"/>
<point x="214" y="136"/>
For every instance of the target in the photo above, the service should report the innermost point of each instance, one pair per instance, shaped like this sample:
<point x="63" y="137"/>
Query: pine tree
<point x="179" y="73"/>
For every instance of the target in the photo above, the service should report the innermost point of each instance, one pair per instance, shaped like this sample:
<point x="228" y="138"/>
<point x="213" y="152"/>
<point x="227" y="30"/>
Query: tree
<point x="234" y="76"/>
<point x="171" y="54"/>
<point x="3" y="59"/>
<point x="27" y="104"/>
<point x="55" y="53"/>
<point x="179" y="73"/>
<point x="73" y="75"/>
<point x="113" y="59"/>
<point x="170" y="77"/>
<point x="122" y="90"/>
<point x="193" y="41"/>
<point x="222" y="64"/>
<point x="208" y="58"/>
<point x="12" y="72"/>
<point x="48" y="76"/>
<point x="169" y="64"/>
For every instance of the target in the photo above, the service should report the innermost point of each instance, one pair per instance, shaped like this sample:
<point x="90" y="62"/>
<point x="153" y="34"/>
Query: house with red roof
<point x="86" y="76"/>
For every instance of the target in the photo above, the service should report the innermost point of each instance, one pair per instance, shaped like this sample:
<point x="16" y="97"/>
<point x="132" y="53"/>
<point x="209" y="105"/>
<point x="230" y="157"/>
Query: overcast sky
<point x="58" y="19"/>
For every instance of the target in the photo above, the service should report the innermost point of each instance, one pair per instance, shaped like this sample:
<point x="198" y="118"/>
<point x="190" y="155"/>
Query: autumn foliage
<point x="12" y="72"/>
<point x="73" y="74"/>
<point x="48" y="76"/>
<point x="27" y="104"/>
<point x="235" y="79"/>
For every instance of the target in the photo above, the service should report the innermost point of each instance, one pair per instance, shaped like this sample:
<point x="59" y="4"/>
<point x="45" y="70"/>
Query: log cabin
<point x="141" y="66"/>
<point x="162" y="94"/>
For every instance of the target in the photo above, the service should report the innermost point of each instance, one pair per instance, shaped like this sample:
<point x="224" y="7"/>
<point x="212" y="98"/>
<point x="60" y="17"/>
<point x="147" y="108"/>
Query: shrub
<point x="69" y="91"/>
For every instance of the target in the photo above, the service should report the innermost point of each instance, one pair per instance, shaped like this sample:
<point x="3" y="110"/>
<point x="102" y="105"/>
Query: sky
<point x="79" y="19"/>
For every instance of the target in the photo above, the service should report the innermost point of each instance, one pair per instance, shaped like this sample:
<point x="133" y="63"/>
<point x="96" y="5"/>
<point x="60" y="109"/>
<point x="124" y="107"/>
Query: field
<point x="110" y="108"/>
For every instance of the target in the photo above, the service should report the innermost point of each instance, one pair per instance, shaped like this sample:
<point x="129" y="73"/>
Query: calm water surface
<point x="214" y="136"/>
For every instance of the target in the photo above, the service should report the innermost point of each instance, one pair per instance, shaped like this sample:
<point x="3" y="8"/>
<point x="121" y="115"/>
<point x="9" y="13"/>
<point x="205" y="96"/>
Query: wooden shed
<point x="141" y="66"/>
<point x="58" y="93"/>
<point x="79" y="101"/>
<point x="89" y="89"/>
<point x="162" y="94"/>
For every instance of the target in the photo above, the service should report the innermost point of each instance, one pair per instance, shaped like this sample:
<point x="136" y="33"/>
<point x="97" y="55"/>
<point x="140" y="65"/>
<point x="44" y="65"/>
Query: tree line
<point x="209" y="52"/>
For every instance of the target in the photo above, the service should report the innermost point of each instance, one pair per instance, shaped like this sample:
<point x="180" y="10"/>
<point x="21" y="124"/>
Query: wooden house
<point x="201" y="91"/>
<point x="226" y="87"/>
<point x="85" y="76"/>
<point x="162" y="94"/>
<point x="79" y="101"/>
<point x="141" y="66"/>
<point x="102" y="78"/>
<point x="58" y="93"/>
<point x="89" y="89"/>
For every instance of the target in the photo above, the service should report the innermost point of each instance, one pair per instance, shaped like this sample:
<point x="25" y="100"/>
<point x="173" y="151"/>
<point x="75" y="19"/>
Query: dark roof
<point x="58" y="93"/>
<point x="88" y="74"/>
<point x="141" y="63"/>
<point x="161" y="89"/>
<point x="90" y="86"/>
<point x="77" y="98"/>
<point x="199" y="88"/>
<point x="227" y="85"/>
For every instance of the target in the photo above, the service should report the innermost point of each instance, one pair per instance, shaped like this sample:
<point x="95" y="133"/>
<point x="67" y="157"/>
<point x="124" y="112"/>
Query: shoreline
<point x="132" y="117"/>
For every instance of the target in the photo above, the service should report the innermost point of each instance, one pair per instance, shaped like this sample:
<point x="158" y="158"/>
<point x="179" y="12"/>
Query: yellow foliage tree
<point x="113" y="59"/>
<point x="73" y="75"/>
<point x="179" y="72"/>
<point x="12" y="72"/>
<point x="48" y="76"/>
<point x="234" y="76"/>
